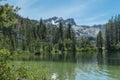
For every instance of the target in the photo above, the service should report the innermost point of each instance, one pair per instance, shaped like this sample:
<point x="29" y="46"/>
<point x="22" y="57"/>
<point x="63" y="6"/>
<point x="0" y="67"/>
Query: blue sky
<point x="84" y="12"/>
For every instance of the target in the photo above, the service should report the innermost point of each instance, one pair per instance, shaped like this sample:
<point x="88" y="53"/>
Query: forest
<point x="110" y="39"/>
<point x="20" y="35"/>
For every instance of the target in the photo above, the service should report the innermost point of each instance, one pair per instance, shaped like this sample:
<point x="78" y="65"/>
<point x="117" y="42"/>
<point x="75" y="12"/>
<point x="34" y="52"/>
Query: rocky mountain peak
<point x="80" y="30"/>
<point x="56" y="20"/>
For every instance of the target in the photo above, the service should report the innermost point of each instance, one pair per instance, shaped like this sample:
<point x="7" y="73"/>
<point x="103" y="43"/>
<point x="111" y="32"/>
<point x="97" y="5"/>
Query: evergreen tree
<point x="112" y="33"/>
<point x="7" y="17"/>
<point x="69" y="31"/>
<point x="99" y="40"/>
<point x="60" y="31"/>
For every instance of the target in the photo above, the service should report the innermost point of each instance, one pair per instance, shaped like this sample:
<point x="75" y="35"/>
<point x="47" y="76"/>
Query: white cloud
<point x="97" y="19"/>
<point x="66" y="11"/>
<point x="35" y="10"/>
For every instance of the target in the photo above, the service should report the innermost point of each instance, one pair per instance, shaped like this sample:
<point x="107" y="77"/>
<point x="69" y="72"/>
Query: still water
<point x="85" y="66"/>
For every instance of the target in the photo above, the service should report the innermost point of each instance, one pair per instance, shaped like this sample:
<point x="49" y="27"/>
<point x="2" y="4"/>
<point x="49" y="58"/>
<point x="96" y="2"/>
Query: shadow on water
<point x="63" y="57"/>
<point x="87" y="57"/>
<point x="108" y="58"/>
<point x="100" y="57"/>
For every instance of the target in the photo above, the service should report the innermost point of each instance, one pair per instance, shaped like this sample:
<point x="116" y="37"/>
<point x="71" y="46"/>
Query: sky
<point x="84" y="12"/>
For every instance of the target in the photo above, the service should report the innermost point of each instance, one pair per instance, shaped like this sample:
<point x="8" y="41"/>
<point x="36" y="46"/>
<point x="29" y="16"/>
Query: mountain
<point x="88" y="31"/>
<point x="80" y="30"/>
<point x="54" y="21"/>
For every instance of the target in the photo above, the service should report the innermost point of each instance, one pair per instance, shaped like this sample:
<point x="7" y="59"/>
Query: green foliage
<point x="112" y="33"/>
<point x="17" y="72"/>
<point x="84" y="42"/>
<point x="60" y="31"/>
<point x="68" y="44"/>
<point x="60" y="45"/>
<point x="4" y="54"/>
<point x="99" y="42"/>
<point x="69" y="31"/>
<point x="48" y="48"/>
<point x="117" y="46"/>
<point x="7" y="17"/>
<point x="20" y="34"/>
<point x="34" y="36"/>
<point x="5" y="70"/>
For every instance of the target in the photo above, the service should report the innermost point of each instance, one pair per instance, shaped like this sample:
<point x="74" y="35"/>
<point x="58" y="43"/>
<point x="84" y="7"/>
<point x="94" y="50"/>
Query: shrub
<point x="12" y="72"/>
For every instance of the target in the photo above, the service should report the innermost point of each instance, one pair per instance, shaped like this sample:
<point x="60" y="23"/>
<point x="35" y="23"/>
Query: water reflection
<point x="108" y="58"/>
<point x="82" y="66"/>
<point x="100" y="57"/>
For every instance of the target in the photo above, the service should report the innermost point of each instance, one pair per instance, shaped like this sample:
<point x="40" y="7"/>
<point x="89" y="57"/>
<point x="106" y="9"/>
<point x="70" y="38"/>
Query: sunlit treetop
<point x="7" y="15"/>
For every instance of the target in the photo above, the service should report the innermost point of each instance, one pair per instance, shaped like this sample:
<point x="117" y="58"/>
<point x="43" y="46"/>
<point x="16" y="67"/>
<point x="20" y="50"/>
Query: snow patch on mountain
<point x="56" y="20"/>
<point x="82" y="30"/>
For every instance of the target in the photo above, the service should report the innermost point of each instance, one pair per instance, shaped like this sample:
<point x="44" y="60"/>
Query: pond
<point x="85" y="66"/>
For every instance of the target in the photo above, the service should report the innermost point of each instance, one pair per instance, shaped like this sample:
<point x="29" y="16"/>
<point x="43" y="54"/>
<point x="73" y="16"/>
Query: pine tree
<point x="69" y="31"/>
<point x="107" y="45"/>
<point x="73" y="38"/>
<point x="7" y="17"/>
<point x="7" y="20"/>
<point x="41" y="30"/>
<point x="60" y="31"/>
<point x="112" y="33"/>
<point x="99" y="40"/>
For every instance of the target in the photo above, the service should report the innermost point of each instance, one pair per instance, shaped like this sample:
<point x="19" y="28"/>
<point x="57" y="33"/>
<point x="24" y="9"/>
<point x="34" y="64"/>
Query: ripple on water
<point x="93" y="75"/>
